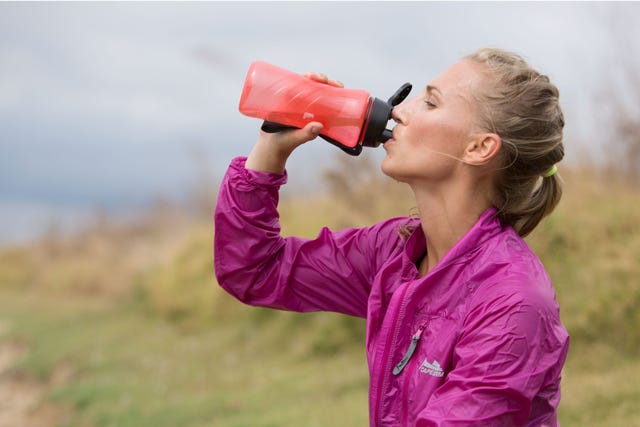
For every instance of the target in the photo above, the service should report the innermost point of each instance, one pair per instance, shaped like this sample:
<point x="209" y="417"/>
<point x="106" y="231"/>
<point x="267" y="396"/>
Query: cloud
<point x="137" y="83"/>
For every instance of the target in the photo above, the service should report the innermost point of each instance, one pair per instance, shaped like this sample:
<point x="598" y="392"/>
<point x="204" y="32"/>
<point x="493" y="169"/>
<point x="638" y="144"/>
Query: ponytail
<point x="542" y="202"/>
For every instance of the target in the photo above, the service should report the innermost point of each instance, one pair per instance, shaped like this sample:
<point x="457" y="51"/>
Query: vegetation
<point x="124" y="324"/>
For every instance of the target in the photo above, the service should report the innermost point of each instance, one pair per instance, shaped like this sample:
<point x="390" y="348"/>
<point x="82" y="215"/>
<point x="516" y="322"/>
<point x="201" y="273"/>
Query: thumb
<point x="309" y="132"/>
<point x="295" y="137"/>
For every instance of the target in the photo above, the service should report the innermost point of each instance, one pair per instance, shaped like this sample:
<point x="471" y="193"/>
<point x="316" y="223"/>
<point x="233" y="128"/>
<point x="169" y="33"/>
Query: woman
<point x="463" y="326"/>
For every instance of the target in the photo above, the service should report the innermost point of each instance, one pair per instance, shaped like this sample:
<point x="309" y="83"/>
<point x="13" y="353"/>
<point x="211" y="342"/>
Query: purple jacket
<point x="477" y="341"/>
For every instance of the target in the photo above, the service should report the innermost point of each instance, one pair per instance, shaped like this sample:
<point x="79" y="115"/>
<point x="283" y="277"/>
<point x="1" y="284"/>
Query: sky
<point x="112" y="106"/>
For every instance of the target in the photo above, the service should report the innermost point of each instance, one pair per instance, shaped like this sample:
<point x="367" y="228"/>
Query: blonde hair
<point x="521" y="106"/>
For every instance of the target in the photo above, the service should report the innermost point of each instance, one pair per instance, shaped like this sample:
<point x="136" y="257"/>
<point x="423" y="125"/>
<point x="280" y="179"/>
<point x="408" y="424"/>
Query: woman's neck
<point x="446" y="216"/>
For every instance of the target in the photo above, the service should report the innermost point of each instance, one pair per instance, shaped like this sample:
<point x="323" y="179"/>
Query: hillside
<point x="124" y="325"/>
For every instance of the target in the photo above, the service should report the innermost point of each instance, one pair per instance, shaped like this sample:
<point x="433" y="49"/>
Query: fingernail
<point x="315" y="130"/>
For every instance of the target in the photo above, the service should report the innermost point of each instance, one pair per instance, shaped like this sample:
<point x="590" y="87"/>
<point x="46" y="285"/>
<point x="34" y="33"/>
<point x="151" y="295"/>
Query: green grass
<point x="146" y="338"/>
<point x="133" y="369"/>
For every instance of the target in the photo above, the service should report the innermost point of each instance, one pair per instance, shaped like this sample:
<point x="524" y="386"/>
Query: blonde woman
<point x="463" y="326"/>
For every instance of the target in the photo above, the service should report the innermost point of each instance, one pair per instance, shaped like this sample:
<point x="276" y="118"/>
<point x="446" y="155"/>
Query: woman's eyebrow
<point x="431" y="89"/>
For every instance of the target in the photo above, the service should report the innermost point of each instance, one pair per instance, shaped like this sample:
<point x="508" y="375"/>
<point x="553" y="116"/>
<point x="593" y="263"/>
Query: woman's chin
<point x="387" y="166"/>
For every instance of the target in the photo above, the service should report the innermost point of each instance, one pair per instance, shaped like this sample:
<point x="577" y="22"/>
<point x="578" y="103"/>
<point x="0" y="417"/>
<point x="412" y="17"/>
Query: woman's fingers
<point x="322" y="78"/>
<point x="293" y="138"/>
<point x="288" y="140"/>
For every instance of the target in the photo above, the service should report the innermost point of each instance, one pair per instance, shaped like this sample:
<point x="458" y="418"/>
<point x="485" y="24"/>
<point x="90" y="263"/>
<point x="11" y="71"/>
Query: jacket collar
<point x="487" y="226"/>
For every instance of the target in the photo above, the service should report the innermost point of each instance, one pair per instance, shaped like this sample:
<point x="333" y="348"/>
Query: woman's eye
<point x="429" y="103"/>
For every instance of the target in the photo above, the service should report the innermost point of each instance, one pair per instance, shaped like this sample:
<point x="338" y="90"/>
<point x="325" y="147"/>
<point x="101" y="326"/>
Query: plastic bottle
<point x="351" y="118"/>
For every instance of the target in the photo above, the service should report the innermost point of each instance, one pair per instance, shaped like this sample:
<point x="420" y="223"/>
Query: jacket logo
<point x="434" y="369"/>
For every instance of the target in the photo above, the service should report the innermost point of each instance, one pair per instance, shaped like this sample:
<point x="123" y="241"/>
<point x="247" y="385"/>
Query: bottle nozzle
<point x="400" y="94"/>
<point x="395" y="99"/>
<point x="385" y="136"/>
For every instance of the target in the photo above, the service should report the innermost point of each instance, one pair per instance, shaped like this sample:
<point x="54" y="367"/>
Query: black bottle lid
<point x="379" y="114"/>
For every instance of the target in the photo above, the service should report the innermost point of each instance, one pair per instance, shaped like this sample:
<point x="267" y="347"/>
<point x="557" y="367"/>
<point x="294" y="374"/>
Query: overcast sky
<point x="114" y="104"/>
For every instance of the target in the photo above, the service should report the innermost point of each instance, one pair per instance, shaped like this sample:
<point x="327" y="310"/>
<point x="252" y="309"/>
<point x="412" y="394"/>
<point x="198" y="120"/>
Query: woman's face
<point x="433" y="129"/>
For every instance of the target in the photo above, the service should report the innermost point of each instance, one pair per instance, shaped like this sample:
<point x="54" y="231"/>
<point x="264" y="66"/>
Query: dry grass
<point x="104" y="259"/>
<point x="157" y="275"/>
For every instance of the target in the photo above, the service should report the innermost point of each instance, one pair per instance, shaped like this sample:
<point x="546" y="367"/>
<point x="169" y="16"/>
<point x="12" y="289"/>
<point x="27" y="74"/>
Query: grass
<point x="133" y="369"/>
<point x="126" y="326"/>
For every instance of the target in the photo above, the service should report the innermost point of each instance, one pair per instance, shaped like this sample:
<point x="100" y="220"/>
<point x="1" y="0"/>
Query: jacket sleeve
<point x="258" y="266"/>
<point x="506" y="366"/>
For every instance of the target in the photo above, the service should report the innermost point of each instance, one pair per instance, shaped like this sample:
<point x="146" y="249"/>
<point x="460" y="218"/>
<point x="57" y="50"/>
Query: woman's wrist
<point x="266" y="157"/>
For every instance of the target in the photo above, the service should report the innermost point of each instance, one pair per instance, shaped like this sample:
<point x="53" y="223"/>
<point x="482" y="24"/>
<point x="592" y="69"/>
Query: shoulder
<point x="379" y="240"/>
<point x="386" y="239"/>
<point x="390" y="235"/>
<point x="511" y="277"/>
<point x="392" y="231"/>
<point x="516" y="301"/>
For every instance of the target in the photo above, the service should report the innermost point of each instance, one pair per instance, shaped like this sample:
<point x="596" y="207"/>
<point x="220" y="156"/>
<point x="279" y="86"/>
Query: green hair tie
<point x="551" y="172"/>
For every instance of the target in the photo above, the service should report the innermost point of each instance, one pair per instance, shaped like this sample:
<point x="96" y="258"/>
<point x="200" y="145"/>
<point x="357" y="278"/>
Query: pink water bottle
<point x="351" y="118"/>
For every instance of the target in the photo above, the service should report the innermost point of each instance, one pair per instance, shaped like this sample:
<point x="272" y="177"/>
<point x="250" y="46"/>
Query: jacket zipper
<point x="391" y="340"/>
<point x="387" y="359"/>
<point x="415" y="340"/>
<point x="412" y="348"/>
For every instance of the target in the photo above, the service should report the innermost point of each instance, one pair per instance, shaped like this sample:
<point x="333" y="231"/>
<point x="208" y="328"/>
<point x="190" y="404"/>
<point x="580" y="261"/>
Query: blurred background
<point x="117" y="122"/>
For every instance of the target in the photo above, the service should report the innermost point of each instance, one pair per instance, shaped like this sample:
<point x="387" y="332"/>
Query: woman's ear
<point x="482" y="148"/>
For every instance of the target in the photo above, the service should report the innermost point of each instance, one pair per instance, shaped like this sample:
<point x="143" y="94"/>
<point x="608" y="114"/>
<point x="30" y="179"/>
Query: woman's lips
<point x="390" y="140"/>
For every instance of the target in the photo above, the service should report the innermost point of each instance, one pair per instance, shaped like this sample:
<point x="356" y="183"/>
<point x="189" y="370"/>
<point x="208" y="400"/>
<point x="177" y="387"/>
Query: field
<point x="124" y="325"/>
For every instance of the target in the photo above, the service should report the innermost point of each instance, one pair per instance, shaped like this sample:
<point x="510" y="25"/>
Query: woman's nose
<point x="401" y="112"/>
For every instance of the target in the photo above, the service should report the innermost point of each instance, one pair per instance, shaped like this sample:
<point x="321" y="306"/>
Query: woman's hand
<point x="272" y="150"/>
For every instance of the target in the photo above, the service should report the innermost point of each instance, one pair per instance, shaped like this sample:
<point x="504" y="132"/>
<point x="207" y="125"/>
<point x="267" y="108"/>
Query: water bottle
<point x="351" y="118"/>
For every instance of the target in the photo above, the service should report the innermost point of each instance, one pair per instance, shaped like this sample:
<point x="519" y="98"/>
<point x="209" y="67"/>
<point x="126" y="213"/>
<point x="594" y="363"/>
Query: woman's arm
<point x="258" y="266"/>
<point x="253" y="262"/>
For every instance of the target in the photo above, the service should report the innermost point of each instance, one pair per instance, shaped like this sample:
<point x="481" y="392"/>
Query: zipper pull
<point x="407" y="356"/>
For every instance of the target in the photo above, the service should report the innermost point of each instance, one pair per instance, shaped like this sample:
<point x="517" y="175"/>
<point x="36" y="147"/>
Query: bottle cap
<point x="375" y="131"/>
